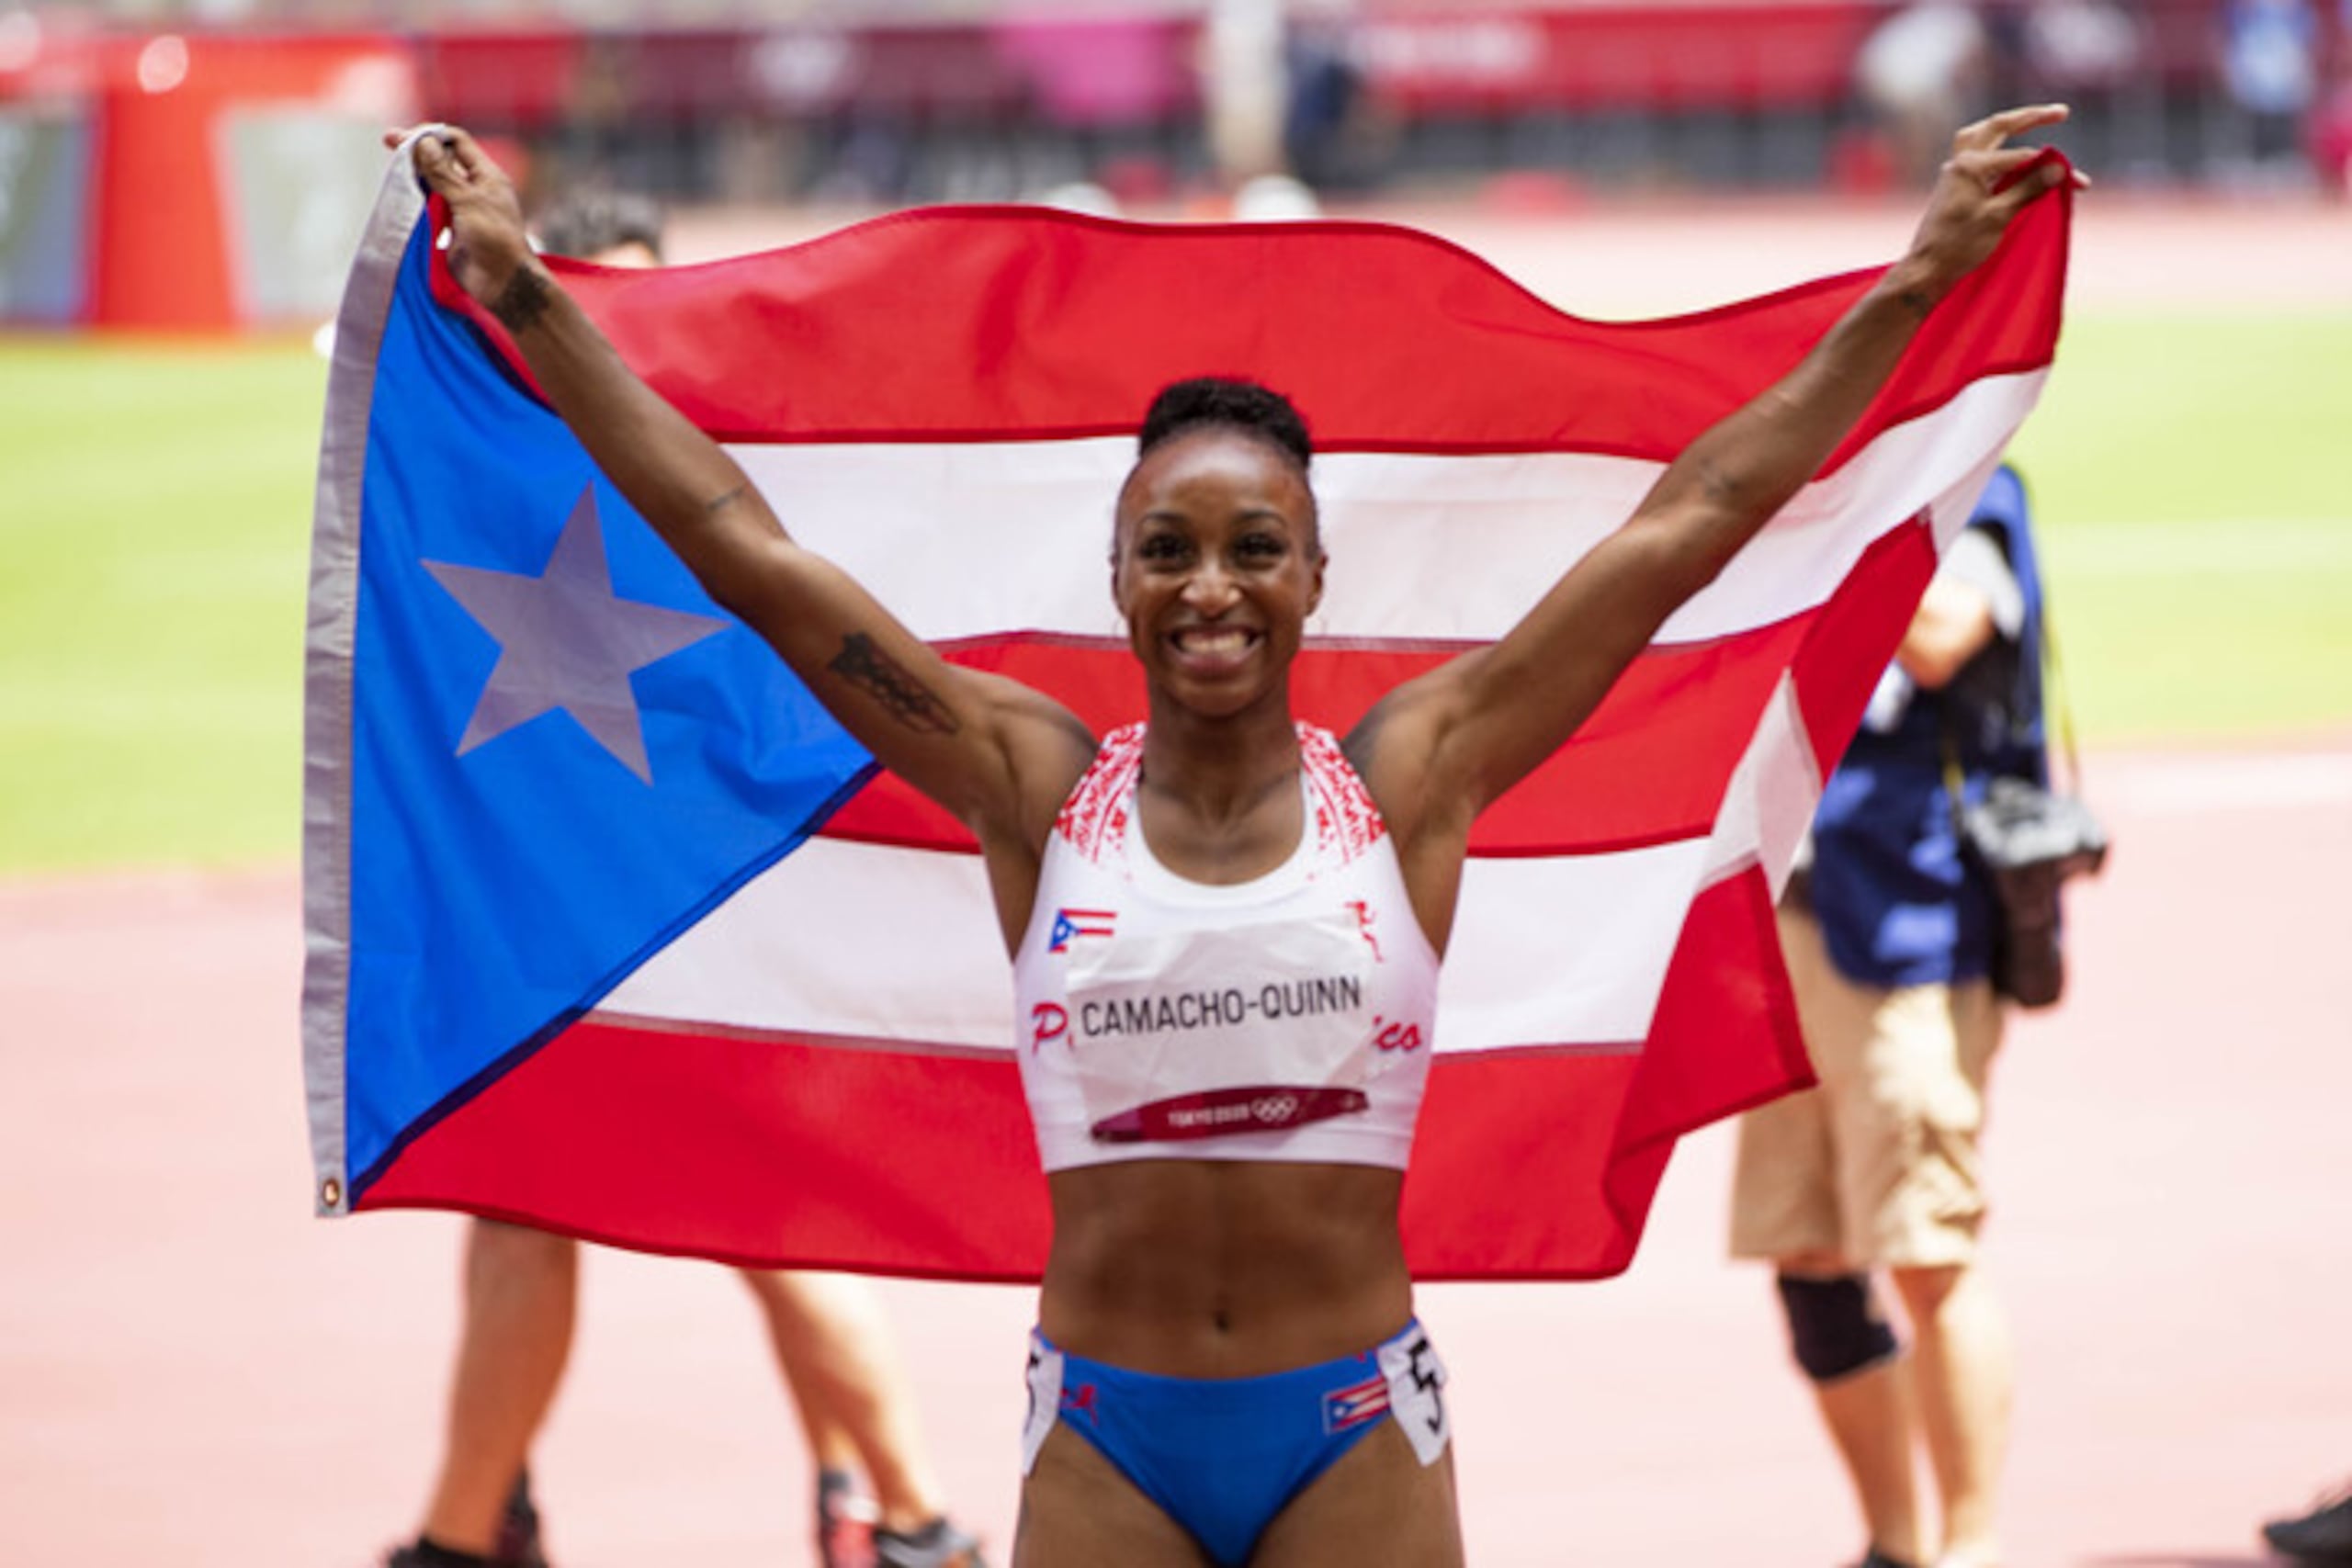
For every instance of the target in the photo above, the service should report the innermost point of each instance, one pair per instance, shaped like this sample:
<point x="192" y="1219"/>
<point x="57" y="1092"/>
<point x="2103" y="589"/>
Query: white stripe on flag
<point x="1769" y="802"/>
<point x="877" y="941"/>
<point x="846" y="939"/>
<point x="974" y="539"/>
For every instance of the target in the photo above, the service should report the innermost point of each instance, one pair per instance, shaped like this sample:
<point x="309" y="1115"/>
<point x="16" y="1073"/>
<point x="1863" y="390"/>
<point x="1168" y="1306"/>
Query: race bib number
<point x="1045" y="1379"/>
<point x="1417" y="1393"/>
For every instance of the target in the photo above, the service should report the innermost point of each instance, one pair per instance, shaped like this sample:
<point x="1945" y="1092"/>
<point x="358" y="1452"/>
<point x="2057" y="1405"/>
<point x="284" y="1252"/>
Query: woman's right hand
<point x="487" y="244"/>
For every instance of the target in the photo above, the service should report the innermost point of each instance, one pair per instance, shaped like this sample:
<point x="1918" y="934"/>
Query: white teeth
<point x="1201" y="639"/>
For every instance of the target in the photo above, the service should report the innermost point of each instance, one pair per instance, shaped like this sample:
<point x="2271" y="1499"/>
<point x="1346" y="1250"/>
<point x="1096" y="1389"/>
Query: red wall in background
<point x="158" y="250"/>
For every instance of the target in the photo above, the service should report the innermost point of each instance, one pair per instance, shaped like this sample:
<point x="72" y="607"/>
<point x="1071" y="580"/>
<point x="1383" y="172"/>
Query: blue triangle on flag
<point x="546" y="785"/>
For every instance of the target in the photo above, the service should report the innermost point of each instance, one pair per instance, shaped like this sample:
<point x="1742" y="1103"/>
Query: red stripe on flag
<point x="1648" y="767"/>
<point x="1543" y="1165"/>
<point x="1838" y="666"/>
<point x="997" y="324"/>
<point x="767" y="1152"/>
<point x="748" y="1150"/>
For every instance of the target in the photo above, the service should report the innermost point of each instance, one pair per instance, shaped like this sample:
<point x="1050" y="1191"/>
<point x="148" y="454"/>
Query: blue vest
<point x="1898" y="903"/>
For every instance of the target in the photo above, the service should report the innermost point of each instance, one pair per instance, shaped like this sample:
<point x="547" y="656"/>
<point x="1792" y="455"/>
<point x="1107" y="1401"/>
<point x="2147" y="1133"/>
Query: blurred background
<point x="181" y="182"/>
<point x="116" y="119"/>
<point x="192" y="1370"/>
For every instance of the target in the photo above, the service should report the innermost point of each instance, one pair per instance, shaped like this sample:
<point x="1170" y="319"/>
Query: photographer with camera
<point x="1895" y="933"/>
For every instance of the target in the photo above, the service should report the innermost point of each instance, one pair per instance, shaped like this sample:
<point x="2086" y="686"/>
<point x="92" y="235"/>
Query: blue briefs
<point x="1222" y="1457"/>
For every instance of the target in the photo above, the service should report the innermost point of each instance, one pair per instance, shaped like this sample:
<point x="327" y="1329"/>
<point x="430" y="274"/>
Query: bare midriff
<point x="1224" y="1269"/>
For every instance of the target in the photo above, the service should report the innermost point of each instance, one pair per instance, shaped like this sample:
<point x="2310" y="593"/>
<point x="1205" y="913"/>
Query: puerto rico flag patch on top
<point x="1072" y="924"/>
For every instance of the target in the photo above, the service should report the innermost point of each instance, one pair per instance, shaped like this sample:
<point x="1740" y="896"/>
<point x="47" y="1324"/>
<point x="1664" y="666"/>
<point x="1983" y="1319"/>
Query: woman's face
<point x="1215" y="563"/>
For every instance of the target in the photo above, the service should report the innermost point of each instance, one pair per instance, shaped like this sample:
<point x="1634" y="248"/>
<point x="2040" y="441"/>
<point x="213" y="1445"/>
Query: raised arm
<point x="998" y="755"/>
<point x="1439" y="748"/>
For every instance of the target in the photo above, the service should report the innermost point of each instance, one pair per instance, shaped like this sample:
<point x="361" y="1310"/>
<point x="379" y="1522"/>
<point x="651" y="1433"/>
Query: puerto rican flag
<point x="1072" y="924"/>
<point x="1355" y="1404"/>
<point x="611" y="930"/>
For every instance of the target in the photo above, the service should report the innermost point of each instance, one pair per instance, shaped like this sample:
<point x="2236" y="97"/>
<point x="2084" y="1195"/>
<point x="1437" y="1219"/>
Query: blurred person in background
<point x="829" y="1332"/>
<point x="2270" y="60"/>
<point x="1244" y="87"/>
<point x="2087" y="47"/>
<point x="1919" y="71"/>
<point x="1334" y="132"/>
<point x="1888" y="930"/>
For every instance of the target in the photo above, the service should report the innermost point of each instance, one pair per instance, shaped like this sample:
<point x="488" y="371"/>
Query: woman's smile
<point x="1213" y="648"/>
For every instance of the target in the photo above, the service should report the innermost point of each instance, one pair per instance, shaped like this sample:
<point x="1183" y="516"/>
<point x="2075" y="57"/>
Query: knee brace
<point x="1834" y="1328"/>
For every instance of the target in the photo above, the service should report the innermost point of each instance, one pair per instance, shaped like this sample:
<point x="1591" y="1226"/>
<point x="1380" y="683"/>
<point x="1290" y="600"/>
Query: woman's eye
<point x="1259" y="547"/>
<point x="1162" y="548"/>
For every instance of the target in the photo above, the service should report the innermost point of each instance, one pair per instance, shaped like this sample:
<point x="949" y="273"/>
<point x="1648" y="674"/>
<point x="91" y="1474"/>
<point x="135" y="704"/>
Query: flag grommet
<point x="330" y="1193"/>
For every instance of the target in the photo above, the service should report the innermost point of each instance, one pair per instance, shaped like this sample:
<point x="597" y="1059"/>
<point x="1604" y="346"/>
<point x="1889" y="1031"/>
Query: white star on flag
<point x="565" y="641"/>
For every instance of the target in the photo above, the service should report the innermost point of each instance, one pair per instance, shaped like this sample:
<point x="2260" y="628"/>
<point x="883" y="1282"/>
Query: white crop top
<point x="1284" y="1019"/>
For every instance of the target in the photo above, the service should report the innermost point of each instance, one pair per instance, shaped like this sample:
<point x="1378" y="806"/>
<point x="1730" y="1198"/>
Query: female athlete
<point x="1225" y="1366"/>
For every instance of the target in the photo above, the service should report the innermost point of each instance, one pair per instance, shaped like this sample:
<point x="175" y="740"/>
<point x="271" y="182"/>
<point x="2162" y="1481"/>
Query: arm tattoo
<point x="719" y="503"/>
<point x="906" y="699"/>
<point x="1719" y="484"/>
<point x="1916" y="301"/>
<point x="523" y="301"/>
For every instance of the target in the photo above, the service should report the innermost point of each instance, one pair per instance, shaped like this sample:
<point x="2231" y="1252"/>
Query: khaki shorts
<point x="1878" y="1166"/>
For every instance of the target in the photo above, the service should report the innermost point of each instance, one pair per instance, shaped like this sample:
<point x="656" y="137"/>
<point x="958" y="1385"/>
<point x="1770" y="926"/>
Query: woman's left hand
<point x="1982" y="186"/>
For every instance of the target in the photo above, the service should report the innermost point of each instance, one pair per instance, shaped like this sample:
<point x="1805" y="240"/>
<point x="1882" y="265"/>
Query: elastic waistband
<point x="1271" y="1385"/>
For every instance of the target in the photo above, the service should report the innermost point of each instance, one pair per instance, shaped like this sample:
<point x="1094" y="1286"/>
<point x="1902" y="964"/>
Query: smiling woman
<point x="1216" y="560"/>
<point x="1226" y="1362"/>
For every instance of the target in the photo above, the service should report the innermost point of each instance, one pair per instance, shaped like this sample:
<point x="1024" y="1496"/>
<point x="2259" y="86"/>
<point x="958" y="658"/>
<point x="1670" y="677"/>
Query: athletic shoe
<point x="1877" y="1559"/>
<point x="939" y="1544"/>
<point x="518" y="1530"/>
<point x="846" y="1520"/>
<point x="422" y="1553"/>
<point x="2322" y="1536"/>
<point x="517" y="1545"/>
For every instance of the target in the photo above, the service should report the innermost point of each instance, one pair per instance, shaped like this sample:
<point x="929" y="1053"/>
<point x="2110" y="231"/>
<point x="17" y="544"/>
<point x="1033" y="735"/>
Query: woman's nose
<point x="1210" y="590"/>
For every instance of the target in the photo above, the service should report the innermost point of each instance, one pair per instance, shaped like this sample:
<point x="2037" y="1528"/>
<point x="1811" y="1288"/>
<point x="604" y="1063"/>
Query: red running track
<point x="194" y="1371"/>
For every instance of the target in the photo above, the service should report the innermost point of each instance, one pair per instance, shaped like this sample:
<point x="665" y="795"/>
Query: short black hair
<point x="590" y="220"/>
<point x="1224" y="404"/>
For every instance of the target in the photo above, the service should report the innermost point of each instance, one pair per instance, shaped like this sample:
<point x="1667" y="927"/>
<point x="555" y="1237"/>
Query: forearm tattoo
<point x="523" y="301"/>
<point x="908" y="700"/>
<point x="1719" y="484"/>
<point x="1916" y="301"/>
<point x="719" y="503"/>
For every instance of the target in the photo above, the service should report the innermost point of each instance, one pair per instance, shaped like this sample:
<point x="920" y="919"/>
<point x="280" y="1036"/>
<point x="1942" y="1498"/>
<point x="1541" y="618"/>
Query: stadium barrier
<point x="211" y="177"/>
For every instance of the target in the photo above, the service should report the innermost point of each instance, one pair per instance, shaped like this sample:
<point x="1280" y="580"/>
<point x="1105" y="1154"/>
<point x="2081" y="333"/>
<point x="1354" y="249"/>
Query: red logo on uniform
<point x="1363" y="915"/>
<point x="1049" y="1020"/>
